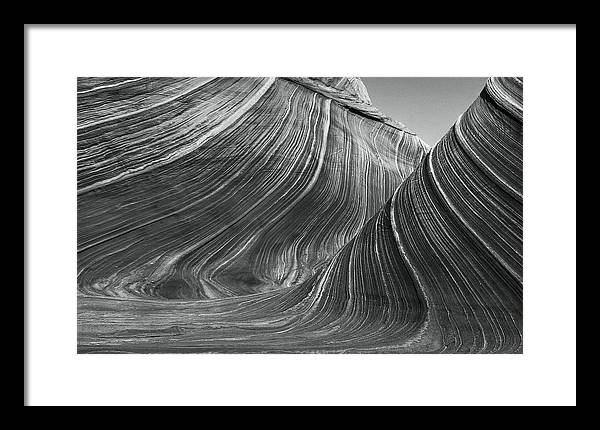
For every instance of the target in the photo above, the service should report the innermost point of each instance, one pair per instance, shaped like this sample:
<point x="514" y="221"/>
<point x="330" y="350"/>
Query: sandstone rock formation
<point x="290" y="215"/>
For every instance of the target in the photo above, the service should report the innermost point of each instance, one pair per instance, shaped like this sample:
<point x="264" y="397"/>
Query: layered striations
<point x="289" y="215"/>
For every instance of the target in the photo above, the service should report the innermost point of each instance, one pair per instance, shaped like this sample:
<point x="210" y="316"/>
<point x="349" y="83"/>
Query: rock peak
<point x="350" y="93"/>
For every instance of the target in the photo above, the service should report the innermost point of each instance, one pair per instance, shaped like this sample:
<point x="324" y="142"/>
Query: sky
<point x="427" y="106"/>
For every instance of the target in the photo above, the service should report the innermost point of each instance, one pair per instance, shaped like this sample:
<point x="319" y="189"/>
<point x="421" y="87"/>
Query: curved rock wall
<point x="309" y="226"/>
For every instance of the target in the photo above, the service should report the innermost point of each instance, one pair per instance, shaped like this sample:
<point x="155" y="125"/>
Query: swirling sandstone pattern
<point x="289" y="215"/>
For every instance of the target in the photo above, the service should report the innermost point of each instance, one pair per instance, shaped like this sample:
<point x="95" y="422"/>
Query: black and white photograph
<point x="293" y="215"/>
<point x="256" y="222"/>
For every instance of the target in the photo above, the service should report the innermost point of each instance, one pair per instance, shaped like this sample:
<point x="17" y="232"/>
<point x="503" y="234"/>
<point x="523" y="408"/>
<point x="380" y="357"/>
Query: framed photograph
<point x="245" y="215"/>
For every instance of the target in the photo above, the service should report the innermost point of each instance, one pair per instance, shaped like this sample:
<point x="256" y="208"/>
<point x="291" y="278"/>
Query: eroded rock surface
<point x="290" y="215"/>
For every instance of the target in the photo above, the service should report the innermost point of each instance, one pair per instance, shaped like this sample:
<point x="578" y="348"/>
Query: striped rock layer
<point x="290" y="215"/>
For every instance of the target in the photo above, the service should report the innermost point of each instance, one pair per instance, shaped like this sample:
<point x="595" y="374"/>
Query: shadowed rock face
<point x="289" y="215"/>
